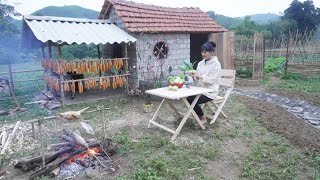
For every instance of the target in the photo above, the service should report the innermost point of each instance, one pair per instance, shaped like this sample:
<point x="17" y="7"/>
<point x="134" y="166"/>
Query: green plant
<point x="274" y="64"/>
<point x="187" y="67"/>
<point x="244" y="72"/>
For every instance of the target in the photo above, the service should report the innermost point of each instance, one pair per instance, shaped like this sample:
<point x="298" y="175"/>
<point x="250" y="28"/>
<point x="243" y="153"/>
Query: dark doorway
<point x="117" y="51"/>
<point x="196" y="41"/>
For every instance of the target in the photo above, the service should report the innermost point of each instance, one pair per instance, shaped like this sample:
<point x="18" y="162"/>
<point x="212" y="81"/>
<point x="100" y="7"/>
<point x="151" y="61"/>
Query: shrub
<point x="274" y="64"/>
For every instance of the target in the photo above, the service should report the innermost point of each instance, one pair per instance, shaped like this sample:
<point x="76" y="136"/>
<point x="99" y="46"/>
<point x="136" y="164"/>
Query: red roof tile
<point x="149" y="18"/>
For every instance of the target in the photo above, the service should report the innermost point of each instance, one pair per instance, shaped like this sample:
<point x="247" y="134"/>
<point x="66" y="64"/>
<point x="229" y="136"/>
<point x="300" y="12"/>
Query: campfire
<point x="67" y="157"/>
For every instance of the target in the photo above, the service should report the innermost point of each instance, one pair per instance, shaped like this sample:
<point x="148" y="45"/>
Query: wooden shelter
<point x="61" y="76"/>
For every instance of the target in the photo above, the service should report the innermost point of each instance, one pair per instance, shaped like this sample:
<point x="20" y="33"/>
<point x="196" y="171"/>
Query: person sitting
<point x="206" y="76"/>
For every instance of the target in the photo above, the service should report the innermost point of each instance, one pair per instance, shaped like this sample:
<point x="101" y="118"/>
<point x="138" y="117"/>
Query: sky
<point x="231" y="8"/>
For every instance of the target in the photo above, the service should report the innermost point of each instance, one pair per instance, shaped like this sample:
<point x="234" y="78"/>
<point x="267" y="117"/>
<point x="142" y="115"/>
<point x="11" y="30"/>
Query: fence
<point x="10" y="80"/>
<point x="301" y="51"/>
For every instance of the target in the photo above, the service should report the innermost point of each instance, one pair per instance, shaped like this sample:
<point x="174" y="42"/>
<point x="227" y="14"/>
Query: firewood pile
<point x="45" y="100"/>
<point x="72" y="149"/>
<point x="11" y="134"/>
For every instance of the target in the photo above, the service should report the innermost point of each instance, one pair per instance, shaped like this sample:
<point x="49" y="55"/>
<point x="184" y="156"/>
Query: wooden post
<point x="126" y="56"/>
<point x="41" y="143"/>
<point x="263" y="57"/>
<point x="11" y="86"/>
<point x="287" y="54"/>
<point x="49" y="49"/>
<point x="99" y="56"/>
<point x="104" y="125"/>
<point x="33" y="131"/>
<point x="42" y="50"/>
<point x="61" y="78"/>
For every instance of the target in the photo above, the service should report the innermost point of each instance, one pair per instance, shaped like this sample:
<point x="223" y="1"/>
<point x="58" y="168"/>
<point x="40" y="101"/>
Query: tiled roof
<point x="149" y="18"/>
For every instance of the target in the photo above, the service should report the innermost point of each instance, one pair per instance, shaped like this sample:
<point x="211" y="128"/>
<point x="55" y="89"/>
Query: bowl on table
<point x="179" y="85"/>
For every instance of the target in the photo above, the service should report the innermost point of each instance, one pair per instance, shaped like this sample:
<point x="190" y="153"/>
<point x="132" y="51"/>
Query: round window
<point x="160" y="50"/>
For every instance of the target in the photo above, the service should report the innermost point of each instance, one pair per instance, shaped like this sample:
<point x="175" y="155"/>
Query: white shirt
<point x="209" y="71"/>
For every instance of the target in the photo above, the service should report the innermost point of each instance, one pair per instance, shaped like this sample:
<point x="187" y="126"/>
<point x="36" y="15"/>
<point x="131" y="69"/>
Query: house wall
<point x="147" y="66"/>
<point x="141" y="65"/>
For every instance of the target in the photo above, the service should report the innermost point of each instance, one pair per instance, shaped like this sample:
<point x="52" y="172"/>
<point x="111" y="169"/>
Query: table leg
<point x="185" y="117"/>
<point x="173" y="108"/>
<point x="156" y="114"/>
<point x="194" y="113"/>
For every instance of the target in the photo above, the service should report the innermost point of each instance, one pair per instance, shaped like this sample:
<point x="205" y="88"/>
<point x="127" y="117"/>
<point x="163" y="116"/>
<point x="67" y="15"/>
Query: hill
<point x="263" y="18"/>
<point x="67" y="11"/>
<point x="229" y="22"/>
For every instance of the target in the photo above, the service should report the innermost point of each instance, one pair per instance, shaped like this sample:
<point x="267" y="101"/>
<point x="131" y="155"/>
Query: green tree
<point x="281" y="27"/>
<point x="249" y="27"/>
<point x="304" y="14"/>
<point x="8" y="35"/>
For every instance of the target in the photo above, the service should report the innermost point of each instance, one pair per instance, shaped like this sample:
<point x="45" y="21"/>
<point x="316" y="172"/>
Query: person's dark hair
<point x="209" y="46"/>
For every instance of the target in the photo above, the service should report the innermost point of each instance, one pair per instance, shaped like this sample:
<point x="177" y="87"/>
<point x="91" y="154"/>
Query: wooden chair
<point x="227" y="78"/>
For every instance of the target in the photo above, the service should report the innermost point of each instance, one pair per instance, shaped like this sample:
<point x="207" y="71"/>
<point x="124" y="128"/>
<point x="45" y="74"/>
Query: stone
<point x="297" y="110"/>
<point x="285" y="106"/>
<point x="3" y="112"/>
<point x="311" y="118"/>
<point x="269" y="99"/>
<point x="301" y="102"/>
<point x="316" y="113"/>
<point x="288" y="101"/>
<point x="314" y="122"/>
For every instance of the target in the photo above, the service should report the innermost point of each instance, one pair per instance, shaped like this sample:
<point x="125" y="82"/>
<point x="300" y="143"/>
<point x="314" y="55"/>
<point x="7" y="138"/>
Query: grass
<point x="151" y="155"/>
<point x="309" y="85"/>
<point x="269" y="157"/>
<point x="24" y="92"/>
<point x="292" y="82"/>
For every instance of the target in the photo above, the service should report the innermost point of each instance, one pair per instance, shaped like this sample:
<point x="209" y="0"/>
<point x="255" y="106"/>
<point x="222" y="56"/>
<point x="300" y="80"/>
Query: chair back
<point x="227" y="77"/>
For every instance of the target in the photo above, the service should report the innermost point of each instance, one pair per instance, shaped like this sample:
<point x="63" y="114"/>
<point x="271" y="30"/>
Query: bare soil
<point x="277" y="119"/>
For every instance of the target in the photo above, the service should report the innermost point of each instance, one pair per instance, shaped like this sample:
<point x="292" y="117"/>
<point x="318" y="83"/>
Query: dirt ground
<point x="234" y="138"/>
<point x="279" y="120"/>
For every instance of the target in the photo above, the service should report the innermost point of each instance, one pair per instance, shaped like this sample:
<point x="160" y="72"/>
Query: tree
<point x="281" y="27"/>
<point x="249" y="27"/>
<point x="8" y="35"/>
<point x="304" y="14"/>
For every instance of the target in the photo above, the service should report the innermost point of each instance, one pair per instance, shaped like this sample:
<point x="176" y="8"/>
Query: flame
<point x="85" y="154"/>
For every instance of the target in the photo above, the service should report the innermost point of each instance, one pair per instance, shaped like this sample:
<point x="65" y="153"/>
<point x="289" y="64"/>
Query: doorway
<point x="196" y="41"/>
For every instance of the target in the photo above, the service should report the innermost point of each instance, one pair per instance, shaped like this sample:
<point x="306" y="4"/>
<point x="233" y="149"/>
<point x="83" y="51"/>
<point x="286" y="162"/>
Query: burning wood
<point x="74" y="149"/>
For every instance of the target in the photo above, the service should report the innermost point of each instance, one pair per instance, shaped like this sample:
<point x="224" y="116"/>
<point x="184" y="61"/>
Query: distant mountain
<point x="67" y="11"/>
<point x="230" y="22"/>
<point x="225" y="21"/>
<point x="263" y="18"/>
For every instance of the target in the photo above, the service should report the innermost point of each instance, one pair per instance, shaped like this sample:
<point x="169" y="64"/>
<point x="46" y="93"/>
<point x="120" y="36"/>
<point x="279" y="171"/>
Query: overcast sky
<point x="232" y="8"/>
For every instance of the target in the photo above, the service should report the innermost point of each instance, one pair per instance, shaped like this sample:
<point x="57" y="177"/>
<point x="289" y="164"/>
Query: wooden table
<point x="181" y="94"/>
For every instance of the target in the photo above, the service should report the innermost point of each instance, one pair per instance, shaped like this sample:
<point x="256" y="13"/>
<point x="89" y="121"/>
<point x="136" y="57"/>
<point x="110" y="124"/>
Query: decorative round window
<point x="160" y="50"/>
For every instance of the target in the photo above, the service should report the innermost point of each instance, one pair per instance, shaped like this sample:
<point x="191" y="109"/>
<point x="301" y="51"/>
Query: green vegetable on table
<point x="187" y="68"/>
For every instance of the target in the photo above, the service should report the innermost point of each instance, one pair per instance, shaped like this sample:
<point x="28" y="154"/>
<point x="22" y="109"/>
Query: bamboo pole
<point x="61" y="78"/>
<point x="126" y="56"/>
<point x="42" y="50"/>
<point x="287" y="54"/>
<point x="96" y="78"/>
<point x="11" y="87"/>
<point x="41" y="144"/>
<point x="49" y="49"/>
<point x="99" y="56"/>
